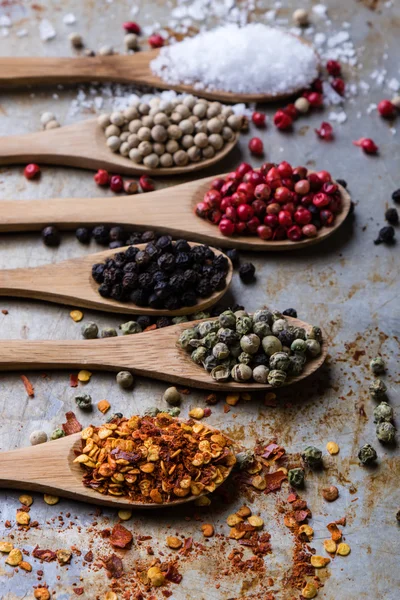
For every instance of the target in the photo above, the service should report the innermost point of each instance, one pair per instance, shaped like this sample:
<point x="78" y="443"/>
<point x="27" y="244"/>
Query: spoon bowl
<point x="49" y="468"/>
<point x="153" y="354"/>
<point x="168" y="210"/>
<point x="83" y="145"/>
<point x="70" y="282"/>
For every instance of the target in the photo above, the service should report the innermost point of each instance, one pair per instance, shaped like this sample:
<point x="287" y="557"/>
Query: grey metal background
<point x="347" y="285"/>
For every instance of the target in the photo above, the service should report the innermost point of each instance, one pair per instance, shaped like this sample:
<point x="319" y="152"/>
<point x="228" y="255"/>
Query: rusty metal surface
<point x="347" y="285"/>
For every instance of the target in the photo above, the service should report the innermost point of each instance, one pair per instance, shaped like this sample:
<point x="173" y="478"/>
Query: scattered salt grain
<point x="339" y="117"/>
<point x="319" y="39"/>
<point x="330" y="96"/>
<point x="4" y="32"/>
<point x="371" y="108"/>
<point x="5" y="21"/>
<point x="218" y="58"/>
<point x="69" y="19"/>
<point x="394" y="84"/>
<point x="21" y="33"/>
<point x="320" y="10"/>
<point x="46" y="30"/>
<point x="338" y="38"/>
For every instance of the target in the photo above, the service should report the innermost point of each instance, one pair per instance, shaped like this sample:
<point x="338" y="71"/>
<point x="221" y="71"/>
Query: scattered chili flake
<point x="226" y="408"/>
<point x="330" y="546"/>
<point x="72" y="425"/>
<point x="172" y="574"/>
<point x="292" y="498"/>
<point x="45" y="555"/>
<point x="341" y="521"/>
<point x="114" y="567"/>
<point x="88" y="556"/>
<point x="103" y="406"/>
<point x="334" y="531"/>
<point x="4" y="311"/>
<point x="28" y="386"/>
<point x="84" y="376"/>
<point x="325" y="131"/>
<point x="343" y="549"/>
<point x="274" y="481"/>
<point x="120" y="537"/>
<point x="78" y="591"/>
<point x="332" y="448"/>
<point x="187" y="545"/>
<point x="150" y="327"/>
<point x="76" y="315"/>
<point x="49" y="499"/>
<point x="73" y="380"/>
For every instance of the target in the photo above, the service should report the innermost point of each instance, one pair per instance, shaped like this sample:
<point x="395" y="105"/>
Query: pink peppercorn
<point x="156" y="41"/>
<point x="253" y="224"/>
<point x="258" y="119"/>
<point x="294" y="233"/>
<point x="320" y="200"/>
<point x="367" y="145"/>
<point x="217" y="183"/>
<point x="240" y="227"/>
<point x="254" y="177"/>
<point x="242" y="169"/>
<point x="225" y="203"/>
<point x="265" y="167"/>
<point x="338" y="85"/>
<point x="31" y="171"/>
<point x="228" y="188"/>
<point x="292" y="111"/>
<point x="315" y="99"/>
<point x="326" y="217"/>
<point x="285" y="169"/>
<point x="102" y="177"/>
<point x="280" y="233"/>
<point x="300" y="173"/>
<point x="273" y="208"/>
<point x="329" y="188"/>
<point x="116" y="183"/>
<point x="146" y="183"/>
<point x="226" y="227"/>
<point x="285" y="218"/>
<point x="282" y="195"/>
<point x="244" y="212"/>
<point x="317" y="85"/>
<point x="259" y="208"/>
<point x="302" y="216"/>
<point x="262" y="191"/>
<point x="271" y="220"/>
<point x="256" y="146"/>
<point x="131" y="27"/>
<point x="213" y="198"/>
<point x="325" y="131"/>
<point x="302" y="187"/>
<point x="282" y="121"/>
<point x="333" y="67"/>
<point x="315" y="182"/>
<point x="215" y="216"/>
<point x="386" y="109"/>
<point x="264" y="232"/>
<point x="202" y="209"/>
<point x="230" y="213"/>
<point x="309" y="231"/>
<point x="324" y="176"/>
<point x="237" y="198"/>
<point x="246" y="188"/>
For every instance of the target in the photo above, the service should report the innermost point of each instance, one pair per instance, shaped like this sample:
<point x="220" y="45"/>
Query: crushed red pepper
<point x="72" y="425"/>
<point x="121" y="537"/>
<point x="28" y="386"/>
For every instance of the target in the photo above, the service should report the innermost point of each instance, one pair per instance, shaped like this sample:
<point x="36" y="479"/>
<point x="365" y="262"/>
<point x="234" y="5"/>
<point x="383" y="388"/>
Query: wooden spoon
<point x="70" y="282"/>
<point x="169" y="210"/>
<point x="49" y="468"/>
<point x="83" y="145"/>
<point x="133" y="68"/>
<point x="154" y="354"/>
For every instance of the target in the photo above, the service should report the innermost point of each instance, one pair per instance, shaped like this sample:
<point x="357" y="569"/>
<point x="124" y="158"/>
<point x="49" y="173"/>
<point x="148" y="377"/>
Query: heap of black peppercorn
<point x="164" y="275"/>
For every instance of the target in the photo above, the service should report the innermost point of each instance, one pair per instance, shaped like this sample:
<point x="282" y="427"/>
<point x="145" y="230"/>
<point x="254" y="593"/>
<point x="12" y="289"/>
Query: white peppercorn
<point x="46" y="117"/>
<point x="183" y="110"/>
<point x="227" y="111"/>
<point x="214" y="109"/>
<point x="135" y="155"/>
<point x="106" y="50"/>
<point x="147" y="121"/>
<point x="181" y="158"/>
<point x="166" y="160"/>
<point x="151" y="161"/>
<point x="186" y="126"/>
<point x="201" y="127"/>
<point x="131" y="113"/>
<point x="200" y="110"/>
<point x="235" y="122"/>
<point x="131" y="41"/>
<point x="124" y="136"/>
<point x="75" y="39"/>
<point x="396" y="101"/>
<point x="154" y="102"/>
<point x="125" y="379"/>
<point x="112" y="130"/>
<point x="172" y="396"/>
<point x="144" y="134"/>
<point x="159" y="133"/>
<point x="260" y="374"/>
<point x="159" y="149"/>
<point x="174" y="132"/>
<point x="117" y="118"/>
<point x="52" y="125"/>
<point x="145" y="148"/>
<point x="161" y="118"/>
<point x="302" y="105"/>
<point x="166" y="106"/>
<point x="124" y="148"/>
<point x="38" y="437"/>
<point x="133" y="140"/>
<point x="201" y="140"/>
<point x="194" y="154"/>
<point x="189" y="101"/>
<point x="193" y="119"/>
<point x="143" y="108"/>
<point x="113" y="142"/>
<point x="103" y="120"/>
<point x="216" y="141"/>
<point x="172" y="146"/>
<point x="176" y="117"/>
<point x="135" y="125"/>
<point x="187" y="141"/>
<point x="214" y="125"/>
<point x="208" y="152"/>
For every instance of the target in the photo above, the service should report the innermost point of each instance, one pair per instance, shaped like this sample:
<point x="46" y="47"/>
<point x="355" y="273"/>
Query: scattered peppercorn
<point x="172" y="396"/>
<point x="330" y="493"/>
<point x="89" y="330"/>
<point x="377" y="389"/>
<point x="296" y="477"/>
<point x="31" y="171"/>
<point x="83" y="235"/>
<point x="367" y="454"/>
<point x="51" y="236"/>
<point x="247" y="272"/>
<point x="233" y="256"/>
<point x="342" y="182"/>
<point x="396" y="196"/>
<point x="386" y="432"/>
<point x="383" y="412"/>
<point x="125" y="379"/>
<point x="392" y="216"/>
<point x="108" y="332"/>
<point x="290" y="312"/>
<point x="84" y="401"/>
<point x="377" y="365"/>
<point x="386" y="236"/>
<point x="312" y="456"/>
<point x="38" y="437"/>
<point x="57" y="433"/>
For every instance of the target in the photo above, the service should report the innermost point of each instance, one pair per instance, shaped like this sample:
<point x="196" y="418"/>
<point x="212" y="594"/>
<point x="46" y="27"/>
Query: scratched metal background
<point x="346" y="284"/>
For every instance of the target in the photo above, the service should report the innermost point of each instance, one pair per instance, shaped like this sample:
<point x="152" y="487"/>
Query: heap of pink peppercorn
<point x="276" y="202"/>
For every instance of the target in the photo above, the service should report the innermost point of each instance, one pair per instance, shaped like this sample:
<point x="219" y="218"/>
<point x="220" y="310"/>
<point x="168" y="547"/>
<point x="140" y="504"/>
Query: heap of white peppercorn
<point x="264" y="347"/>
<point x="168" y="133"/>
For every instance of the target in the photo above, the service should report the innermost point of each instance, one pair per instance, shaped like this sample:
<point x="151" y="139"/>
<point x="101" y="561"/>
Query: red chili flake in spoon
<point x="325" y="131"/>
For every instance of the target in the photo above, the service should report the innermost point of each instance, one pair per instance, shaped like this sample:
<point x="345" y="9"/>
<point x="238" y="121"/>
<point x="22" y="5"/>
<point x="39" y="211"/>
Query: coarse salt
<point x="69" y="19"/>
<point x="5" y="21"/>
<point x="46" y="30"/>
<point x="250" y="59"/>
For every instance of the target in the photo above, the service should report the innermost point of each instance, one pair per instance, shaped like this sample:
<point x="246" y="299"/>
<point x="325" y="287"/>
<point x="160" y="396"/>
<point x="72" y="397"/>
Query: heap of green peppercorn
<point x="164" y="275"/>
<point x="263" y="348"/>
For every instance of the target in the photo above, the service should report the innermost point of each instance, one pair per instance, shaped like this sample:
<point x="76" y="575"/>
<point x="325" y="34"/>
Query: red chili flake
<point x="207" y="412"/>
<point x="72" y="425"/>
<point x="341" y="521"/>
<point x="226" y="408"/>
<point x="173" y="574"/>
<point x="292" y="498"/>
<point x="268" y="450"/>
<point x="301" y="515"/>
<point x="150" y="328"/>
<point x="120" y="537"/>
<point x="73" y="380"/>
<point x="114" y="567"/>
<point x="274" y="481"/>
<point x="7" y="524"/>
<point x="187" y="545"/>
<point x="88" y="556"/>
<point x="78" y="591"/>
<point x="325" y="131"/>
<point x="142" y="538"/>
<point x="28" y="386"/>
<point x="45" y="555"/>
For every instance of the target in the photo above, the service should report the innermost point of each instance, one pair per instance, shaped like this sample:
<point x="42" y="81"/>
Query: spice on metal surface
<point x="103" y="406"/>
<point x="330" y="493"/>
<point x="154" y="459"/>
<point x="76" y="315"/>
<point x="72" y="425"/>
<point x="332" y="448"/>
<point x="84" y="376"/>
<point x="28" y="386"/>
<point x="343" y="549"/>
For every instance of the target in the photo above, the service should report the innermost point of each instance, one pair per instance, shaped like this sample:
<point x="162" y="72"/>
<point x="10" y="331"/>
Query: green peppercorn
<point x="186" y="336"/>
<point x="367" y="454"/>
<point x="296" y="477"/>
<point x="210" y="340"/>
<point x="245" y="358"/>
<point x="299" y="333"/>
<point x="210" y="362"/>
<point x="377" y="365"/>
<point x="241" y="372"/>
<point x="262" y="329"/>
<point x="264" y="316"/>
<point x="130" y="327"/>
<point x="276" y="377"/>
<point x="280" y="361"/>
<point x="227" y="320"/>
<point x="377" y="389"/>
<point x="172" y="396"/>
<point x="383" y="412"/>
<point x="108" y="332"/>
<point x="250" y="343"/>
<point x="84" y="401"/>
<point x="125" y="379"/>
<point x="220" y="351"/>
<point x="200" y="315"/>
<point x="207" y="327"/>
<point x="57" y="434"/>
<point x="241" y="313"/>
<point x="298" y="346"/>
<point x="228" y="336"/>
<point x="297" y="362"/>
<point x="244" y="324"/>
<point x="314" y="333"/>
<point x="198" y="355"/>
<point x="271" y="344"/>
<point x="221" y="373"/>
<point x="260" y="374"/>
<point x="235" y="350"/>
<point x="244" y="459"/>
<point x="278" y="326"/>
<point x="152" y="411"/>
<point x="313" y="347"/>
<point x="177" y="320"/>
<point x="89" y="330"/>
<point x="386" y="432"/>
<point x="174" y="411"/>
<point x="276" y="315"/>
<point x="312" y="456"/>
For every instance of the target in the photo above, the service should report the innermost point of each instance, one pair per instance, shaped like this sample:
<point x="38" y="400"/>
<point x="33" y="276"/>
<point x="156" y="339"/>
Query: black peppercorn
<point x="290" y="312"/>
<point x="104" y="290"/>
<point x="164" y="243"/>
<point x="51" y="236"/>
<point x="386" y="236"/>
<point x="130" y="267"/>
<point x="130" y="253"/>
<point x="247" y="272"/>
<point x="98" y="272"/>
<point x="392" y="216"/>
<point x="177" y="282"/>
<point x="83" y="235"/>
<point x="172" y="302"/>
<point x="189" y="298"/>
<point x="342" y="182"/>
<point x="117" y="292"/>
<point x="260" y="359"/>
<point x="217" y="281"/>
<point x="130" y="280"/>
<point x="220" y="263"/>
<point x="203" y="288"/>
<point x="147" y="236"/>
<point x="155" y="301"/>
<point x="163" y="322"/>
<point x="190" y="277"/>
<point x="396" y="196"/>
<point x="145" y="281"/>
<point x="183" y="260"/>
<point x="234" y="257"/>
<point x="101" y="234"/>
<point x="116" y="244"/>
<point x="166" y="262"/>
<point x="152" y="250"/>
<point x="162" y="290"/>
<point x="142" y="258"/>
<point x="144" y="321"/>
<point x="117" y="233"/>
<point x="134" y="238"/>
<point x="182" y="246"/>
<point x="198" y="253"/>
<point x="139" y="297"/>
<point x="120" y="259"/>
